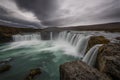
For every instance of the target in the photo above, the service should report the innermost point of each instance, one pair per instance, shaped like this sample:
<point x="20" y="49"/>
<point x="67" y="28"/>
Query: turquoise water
<point x="47" y="55"/>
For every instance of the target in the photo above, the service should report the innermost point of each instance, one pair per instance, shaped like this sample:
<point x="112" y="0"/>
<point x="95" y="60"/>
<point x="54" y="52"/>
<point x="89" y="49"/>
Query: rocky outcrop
<point x="33" y="73"/>
<point x="5" y="38"/>
<point x="118" y="38"/>
<point x="108" y="60"/>
<point x="6" y="61"/>
<point x="4" y="68"/>
<point x="78" y="70"/>
<point x="96" y="40"/>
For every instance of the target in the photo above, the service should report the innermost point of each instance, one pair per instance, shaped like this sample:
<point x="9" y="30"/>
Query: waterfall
<point x="76" y="42"/>
<point x="79" y="41"/>
<point x="90" y="57"/>
<point x="26" y="37"/>
<point x="51" y="35"/>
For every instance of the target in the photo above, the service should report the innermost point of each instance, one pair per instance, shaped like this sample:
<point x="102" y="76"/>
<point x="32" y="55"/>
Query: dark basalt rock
<point x="33" y="73"/>
<point x="6" y="61"/>
<point x="97" y="40"/>
<point x="5" y="38"/>
<point x="118" y="38"/>
<point x="78" y="70"/>
<point x="4" y="68"/>
<point x="108" y="60"/>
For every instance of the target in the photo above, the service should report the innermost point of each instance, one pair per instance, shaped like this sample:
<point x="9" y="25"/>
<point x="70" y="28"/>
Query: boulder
<point x="77" y="70"/>
<point x="6" y="61"/>
<point x="108" y="60"/>
<point x="96" y="40"/>
<point x="5" y="38"/>
<point x="4" y="68"/>
<point x="33" y="73"/>
<point x="118" y="38"/>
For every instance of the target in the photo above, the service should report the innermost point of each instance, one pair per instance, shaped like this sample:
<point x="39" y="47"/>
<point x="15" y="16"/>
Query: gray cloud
<point x="42" y="13"/>
<point x="85" y="12"/>
<point x="43" y="9"/>
<point x="14" y="14"/>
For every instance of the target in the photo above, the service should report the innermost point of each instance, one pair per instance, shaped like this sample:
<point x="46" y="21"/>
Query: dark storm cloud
<point x="43" y="9"/>
<point x="17" y="22"/>
<point x="15" y="15"/>
<point x="3" y="11"/>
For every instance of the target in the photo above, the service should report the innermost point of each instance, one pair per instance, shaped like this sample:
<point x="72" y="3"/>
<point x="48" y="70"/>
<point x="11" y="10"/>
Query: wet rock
<point x="97" y="40"/>
<point x="5" y="38"/>
<point x="108" y="60"/>
<point x="4" y="68"/>
<point x="6" y="61"/>
<point x="33" y="73"/>
<point x="78" y="70"/>
<point x="118" y="38"/>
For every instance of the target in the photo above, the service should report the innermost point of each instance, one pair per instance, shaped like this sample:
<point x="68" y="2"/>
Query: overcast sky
<point x="58" y="13"/>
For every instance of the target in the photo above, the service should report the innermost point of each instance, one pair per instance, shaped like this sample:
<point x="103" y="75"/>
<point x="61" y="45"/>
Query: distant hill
<point x="14" y="30"/>
<point x="98" y="27"/>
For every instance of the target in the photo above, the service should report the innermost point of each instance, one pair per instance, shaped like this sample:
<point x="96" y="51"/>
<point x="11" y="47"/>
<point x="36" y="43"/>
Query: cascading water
<point x="51" y="35"/>
<point x="27" y="37"/>
<point x="90" y="57"/>
<point x="79" y="41"/>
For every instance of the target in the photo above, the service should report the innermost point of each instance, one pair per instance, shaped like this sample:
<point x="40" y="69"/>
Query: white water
<point x="90" y="57"/>
<point x="79" y="41"/>
<point x="51" y="35"/>
<point x="26" y="37"/>
<point x="71" y="43"/>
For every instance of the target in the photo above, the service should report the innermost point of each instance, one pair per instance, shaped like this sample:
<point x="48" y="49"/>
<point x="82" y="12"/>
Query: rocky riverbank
<point x="107" y="66"/>
<point x="108" y="60"/>
<point x="96" y="40"/>
<point x="77" y="70"/>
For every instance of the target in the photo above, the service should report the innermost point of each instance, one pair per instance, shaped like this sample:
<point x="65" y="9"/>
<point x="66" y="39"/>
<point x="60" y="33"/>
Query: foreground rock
<point x="97" y="40"/>
<point x="33" y="73"/>
<point x="4" y="68"/>
<point x="108" y="60"/>
<point x="118" y="38"/>
<point x="78" y="70"/>
<point x="6" y="61"/>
